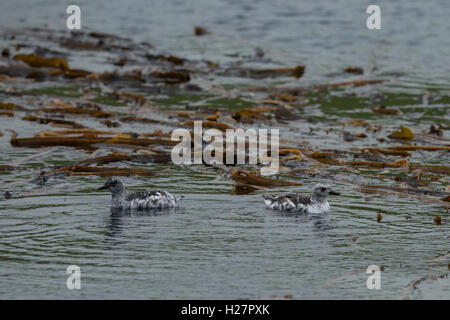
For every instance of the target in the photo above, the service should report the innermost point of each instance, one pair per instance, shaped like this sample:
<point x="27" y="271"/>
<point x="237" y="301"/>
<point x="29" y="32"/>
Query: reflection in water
<point x="320" y="221"/>
<point x="321" y="224"/>
<point x="116" y="224"/>
<point x="119" y="218"/>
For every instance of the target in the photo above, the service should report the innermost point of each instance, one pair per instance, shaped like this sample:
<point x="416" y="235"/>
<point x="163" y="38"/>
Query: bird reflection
<point x="320" y="221"/>
<point x="119" y="218"/>
<point x="320" y="224"/>
<point x="116" y="223"/>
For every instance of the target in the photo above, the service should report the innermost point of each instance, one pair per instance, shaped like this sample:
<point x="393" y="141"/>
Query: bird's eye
<point x="323" y="189"/>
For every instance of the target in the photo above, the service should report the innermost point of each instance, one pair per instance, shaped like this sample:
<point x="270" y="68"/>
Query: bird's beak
<point x="103" y="187"/>
<point x="334" y="193"/>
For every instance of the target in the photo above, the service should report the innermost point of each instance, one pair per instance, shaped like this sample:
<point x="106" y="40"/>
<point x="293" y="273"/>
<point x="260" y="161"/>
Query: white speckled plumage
<point x="145" y="200"/>
<point x="316" y="203"/>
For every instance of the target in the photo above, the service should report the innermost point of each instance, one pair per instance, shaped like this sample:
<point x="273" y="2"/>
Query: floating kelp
<point x="170" y="58"/>
<point x="283" y="96"/>
<point x="38" y="62"/>
<point x="76" y="73"/>
<point x="157" y="133"/>
<point x="83" y="110"/>
<point x="246" y="178"/>
<point x="297" y="91"/>
<point x="110" y="124"/>
<point x="171" y="77"/>
<point x="143" y="120"/>
<point x="250" y="115"/>
<point x="197" y="114"/>
<point x="409" y="190"/>
<point x="370" y="189"/>
<point x="287" y="151"/>
<point x="113" y="157"/>
<point x="437" y="220"/>
<point x="200" y="31"/>
<point x="138" y="89"/>
<point x="413" y="285"/>
<point x="355" y="70"/>
<point x="118" y="157"/>
<point x="413" y="181"/>
<point x="360" y="123"/>
<point x="213" y="117"/>
<point x="69" y="132"/>
<point x="83" y="45"/>
<point x="329" y="158"/>
<point x="71" y="73"/>
<point x="103" y="171"/>
<point x="296" y="72"/>
<point x="6" y="114"/>
<point x="4" y="77"/>
<point x="385" y="110"/>
<point x="38" y="142"/>
<point x="379" y="217"/>
<point x="130" y="77"/>
<point x="8" y="168"/>
<point x="371" y="164"/>
<point x="349" y="137"/>
<point x="241" y="189"/>
<point x="5" y="53"/>
<point x="388" y="152"/>
<point x="430" y="168"/>
<point x="11" y="106"/>
<point x="209" y="124"/>
<point x="404" y="133"/>
<point x="97" y="41"/>
<point x="435" y="131"/>
<point x="130" y="97"/>
<point x="55" y="122"/>
<point x="431" y="138"/>
<point x="415" y="148"/>
<point x="87" y="140"/>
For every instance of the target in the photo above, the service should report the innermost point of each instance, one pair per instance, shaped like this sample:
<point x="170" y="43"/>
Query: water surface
<point x="225" y="246"/>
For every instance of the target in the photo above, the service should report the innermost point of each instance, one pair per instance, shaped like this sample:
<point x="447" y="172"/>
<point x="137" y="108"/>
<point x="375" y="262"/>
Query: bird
<point x="143" y="200"/>
<point x="295" y="202"/>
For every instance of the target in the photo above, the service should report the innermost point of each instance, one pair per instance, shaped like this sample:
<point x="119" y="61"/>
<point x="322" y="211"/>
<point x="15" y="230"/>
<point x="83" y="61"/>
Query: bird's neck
<point x="316" y="198"/>
<point x="118" y="195"/>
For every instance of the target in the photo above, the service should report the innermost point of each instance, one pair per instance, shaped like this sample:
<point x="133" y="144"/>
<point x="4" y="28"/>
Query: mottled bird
<point x="295" y="202"/>
<point x="144" y="200"/>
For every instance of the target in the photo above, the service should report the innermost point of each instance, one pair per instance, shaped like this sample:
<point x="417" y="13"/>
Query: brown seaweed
<point x="55" y="122"/>
<point x="103" y="171"/>
<point x="244" y="177"/>
<point x="38" y="62"/>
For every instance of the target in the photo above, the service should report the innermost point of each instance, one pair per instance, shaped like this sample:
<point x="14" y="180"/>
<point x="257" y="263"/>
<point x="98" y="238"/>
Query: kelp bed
<point x="370" y="132"/>
<point x="40" y="86"/>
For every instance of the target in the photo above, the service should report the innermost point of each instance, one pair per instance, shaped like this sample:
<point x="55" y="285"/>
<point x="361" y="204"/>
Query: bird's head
<point x="114" y="185"/>
<point x="321" y="192"/>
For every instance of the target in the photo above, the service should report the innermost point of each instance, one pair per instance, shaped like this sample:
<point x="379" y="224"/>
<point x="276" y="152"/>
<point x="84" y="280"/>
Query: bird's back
<point x="152" y="200"/>
<point x="289" y="202"/>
